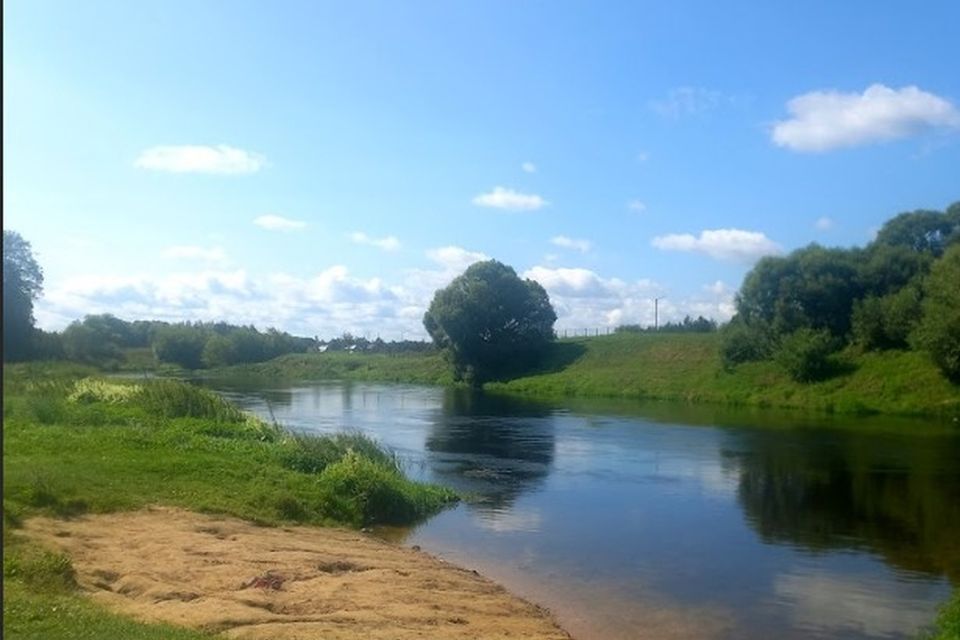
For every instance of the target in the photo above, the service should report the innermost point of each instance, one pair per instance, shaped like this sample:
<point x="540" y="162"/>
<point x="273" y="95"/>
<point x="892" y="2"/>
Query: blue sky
<point x="325" y="167"/>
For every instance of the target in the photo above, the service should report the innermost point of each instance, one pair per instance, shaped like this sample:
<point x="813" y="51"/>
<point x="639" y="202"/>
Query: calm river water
<point x="666" y="521"/>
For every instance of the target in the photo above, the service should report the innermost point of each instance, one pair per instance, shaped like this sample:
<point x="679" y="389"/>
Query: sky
<point x="325" y="167"/>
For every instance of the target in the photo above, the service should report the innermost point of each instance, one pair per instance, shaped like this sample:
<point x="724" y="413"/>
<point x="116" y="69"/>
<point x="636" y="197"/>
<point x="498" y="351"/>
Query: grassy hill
<point x="687" y="367"/>
<point x="684" y="367"/>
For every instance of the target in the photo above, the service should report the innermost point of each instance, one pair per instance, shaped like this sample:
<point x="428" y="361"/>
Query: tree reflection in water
<point x="491" y="448"/>
<point x="891" y="495"/>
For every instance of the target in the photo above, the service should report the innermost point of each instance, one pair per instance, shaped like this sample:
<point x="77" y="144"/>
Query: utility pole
<point x="656" y="314"/>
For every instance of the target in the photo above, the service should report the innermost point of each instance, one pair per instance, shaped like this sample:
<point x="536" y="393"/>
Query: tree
<point x="939" y="331"/>
<point x="490" y="323"/>
<point x="922" y="230"/>
<point x="22" y="284"/>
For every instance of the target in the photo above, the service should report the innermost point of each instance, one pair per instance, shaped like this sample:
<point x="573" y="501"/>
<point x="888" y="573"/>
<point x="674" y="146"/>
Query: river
<point x="632" y="520"/>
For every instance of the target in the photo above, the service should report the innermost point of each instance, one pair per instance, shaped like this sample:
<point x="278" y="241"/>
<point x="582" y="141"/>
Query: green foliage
<point x="181" y="345"/>
<point x="309" y="453"/>
<point x="939" y="331"/>
<point x="490" y="322"/>
<point x="805" y="353"/>
<point x="687" y="325"/>
<point x="741" y="343"/>
<point x="688" y="368"/>
<point x="887" y="322"/>
<point x="369" y="492"/>
<point x="175" y="399"/>
<point x="947" y="625"/>
<point x="39" y="569"/>
<point x="22" y="284"/>
<point x="812" y="287"/>
<point x="172" y="443"/>
<point x="922" y="230"/>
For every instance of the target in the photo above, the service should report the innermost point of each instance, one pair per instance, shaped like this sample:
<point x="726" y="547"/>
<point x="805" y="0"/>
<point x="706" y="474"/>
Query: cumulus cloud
<point x="217" y="159"/>
<point x="278" y="223"/>
<point x="735" y="245"/>
<point x="577" y="244"/>
<point x="636" y="205"/>
<point x="823" y="223"/>
<point x="509" y="200"/>
<point x="529" y="167"/>
<point x="584" y="299"/>
<point x="328" y="302"/>
<point x="825" y="120"/>
<point x="192" y="252"/>
<point x="387" y="243"/>
<point x="455" y="258"/>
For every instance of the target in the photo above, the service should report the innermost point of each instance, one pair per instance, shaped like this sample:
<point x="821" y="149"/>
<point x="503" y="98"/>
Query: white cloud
<point x="578" y="244"/>
<point x="686" y="101"/>
<point x="637" y="205"/>
<point x="217" y="159"/>
<point x="509" y="200"/>
<point x="833" y="604"/>
<point x="278" y="223"/>
<point x="643" y="156"/>
<point x="824" y="120"/>
<point x="454" y="258"/>
<point x="572" y="282"/>
<point x="387" y="243"/>
<point x="529" y="167"/>
<point x="583" y="299"/>
<point x="192" y="252"/>
<point x="735" y="245"/>
<point x="823" y="223"/>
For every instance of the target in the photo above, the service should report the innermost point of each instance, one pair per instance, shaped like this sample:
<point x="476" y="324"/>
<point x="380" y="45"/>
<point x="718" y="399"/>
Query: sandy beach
<point x="246" y="581"/>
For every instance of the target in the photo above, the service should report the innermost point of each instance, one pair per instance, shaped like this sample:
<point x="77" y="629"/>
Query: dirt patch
<point x="224" y="574"/>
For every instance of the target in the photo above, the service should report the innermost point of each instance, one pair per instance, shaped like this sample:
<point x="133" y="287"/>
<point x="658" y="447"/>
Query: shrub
<point x="743" y="343"/>
<point x="805" y="354"/>
<point x="175" y="399"/>
<point x="939" y="330"/>
<point x="365" y="492"/>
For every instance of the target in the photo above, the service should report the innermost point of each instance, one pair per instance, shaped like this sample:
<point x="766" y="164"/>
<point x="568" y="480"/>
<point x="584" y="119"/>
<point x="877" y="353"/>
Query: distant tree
<point x="939" y="330"/>
<point x="22" y="284"/>
<point x="922" y="230"/>
<point x="91" y="341"/>
<point x="181" y="344"/>
<point x="812" y="287"/>
<point x="490" y="322"/>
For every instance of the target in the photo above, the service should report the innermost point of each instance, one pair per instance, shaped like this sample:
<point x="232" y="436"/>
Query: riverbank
<point x="76" y="444"/>
<point x="225" y="575"/>
<point x="674" y="367"/>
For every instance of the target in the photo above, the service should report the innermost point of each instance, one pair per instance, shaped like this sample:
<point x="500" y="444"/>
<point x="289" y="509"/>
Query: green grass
<point x="420" y="368"/>
<point x="947" y="624"/>
<point x="687" y="367"/>
<point x="75" y="444"/>
<point x="667" y="366"/>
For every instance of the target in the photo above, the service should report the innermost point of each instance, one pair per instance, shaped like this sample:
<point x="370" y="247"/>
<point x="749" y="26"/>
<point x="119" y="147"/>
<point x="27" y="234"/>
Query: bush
<point x="887" y="322"/>
<point x="742" y="343"/>
<point x="939" y="330"/>
<point x="805" y="354"/>
<point x="314" y="453"/>
<point x="175" y="399"/>
<point x="365" y="492"/>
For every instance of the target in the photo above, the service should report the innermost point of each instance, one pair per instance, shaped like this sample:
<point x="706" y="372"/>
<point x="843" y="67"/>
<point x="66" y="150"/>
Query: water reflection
<point x="754" y="524"/>
<point x="492" y="449"/>
<point x="895" y="496"/>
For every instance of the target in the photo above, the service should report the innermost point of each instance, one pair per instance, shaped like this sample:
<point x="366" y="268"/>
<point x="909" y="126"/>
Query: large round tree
<point x="490" y="322"/>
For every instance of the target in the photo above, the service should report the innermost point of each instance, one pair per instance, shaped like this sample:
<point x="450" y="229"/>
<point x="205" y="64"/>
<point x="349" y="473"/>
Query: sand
<point x="227" y="575"/>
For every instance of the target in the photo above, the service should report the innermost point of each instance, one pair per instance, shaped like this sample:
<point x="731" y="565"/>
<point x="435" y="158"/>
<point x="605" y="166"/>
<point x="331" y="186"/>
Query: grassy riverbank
<point x="76" y="444"/>
<point x="679" y="367"/>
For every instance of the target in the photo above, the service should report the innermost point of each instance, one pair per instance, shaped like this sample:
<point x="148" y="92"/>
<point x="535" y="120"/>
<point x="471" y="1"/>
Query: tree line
<point x="901" y="291"/>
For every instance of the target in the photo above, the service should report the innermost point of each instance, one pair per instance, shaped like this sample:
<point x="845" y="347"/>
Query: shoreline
<point x="224" y="574"/>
